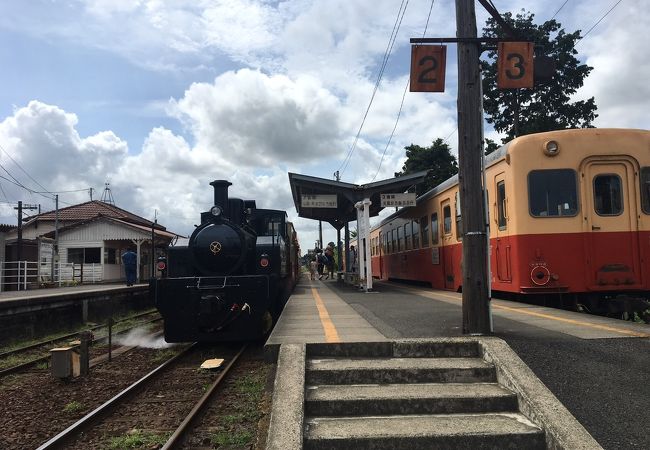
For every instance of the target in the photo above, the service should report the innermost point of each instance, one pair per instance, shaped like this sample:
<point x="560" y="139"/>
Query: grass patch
<point x="164" y="354"/>
<point x="73" y="407"/>
<point x="137" y="439"/>
<point x="238" y="438"/>
<point x="250" y="385"/>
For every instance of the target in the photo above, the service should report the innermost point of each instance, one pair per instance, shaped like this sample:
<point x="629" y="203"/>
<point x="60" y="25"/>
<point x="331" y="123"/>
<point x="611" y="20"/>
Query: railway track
<point x="47" y="344"/>
<point x="162" y="405"/>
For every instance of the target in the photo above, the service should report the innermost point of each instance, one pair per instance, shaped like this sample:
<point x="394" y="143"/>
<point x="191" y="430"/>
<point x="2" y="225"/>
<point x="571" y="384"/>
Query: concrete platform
<point x="316" y="314"/>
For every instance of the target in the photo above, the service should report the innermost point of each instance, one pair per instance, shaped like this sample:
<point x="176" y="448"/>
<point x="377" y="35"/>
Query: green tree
<point x="436" y="158"/>
<point x="546" y="106"/>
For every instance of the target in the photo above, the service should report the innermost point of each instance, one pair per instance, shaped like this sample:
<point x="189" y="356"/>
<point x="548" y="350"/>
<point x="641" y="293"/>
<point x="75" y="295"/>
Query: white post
<point x="25" y="276"/>
<point x="363" y="228"/>
<point x="2" y="269"/>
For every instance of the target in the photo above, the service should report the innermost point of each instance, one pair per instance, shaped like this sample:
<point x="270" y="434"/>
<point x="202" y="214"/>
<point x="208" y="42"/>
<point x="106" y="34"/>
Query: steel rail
<point x="68" y="336"/>
<point x="175" y="438"/>
<point x="32" y="362"/>
<point x="98" y="412"/>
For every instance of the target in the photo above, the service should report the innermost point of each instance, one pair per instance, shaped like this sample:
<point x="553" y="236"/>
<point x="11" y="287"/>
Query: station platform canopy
<point x="342" y="211"/>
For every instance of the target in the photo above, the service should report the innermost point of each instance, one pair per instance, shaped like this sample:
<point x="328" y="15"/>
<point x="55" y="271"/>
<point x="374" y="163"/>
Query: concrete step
<point x="418" y="398"/>
<point x="454" y="431"/>
<point x="398" y="370"/>
<point x="404" y="349"/>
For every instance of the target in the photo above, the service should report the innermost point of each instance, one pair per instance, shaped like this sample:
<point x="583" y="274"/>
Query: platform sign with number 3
<point x="428" y="68"/>
<point x="515" y="65"/>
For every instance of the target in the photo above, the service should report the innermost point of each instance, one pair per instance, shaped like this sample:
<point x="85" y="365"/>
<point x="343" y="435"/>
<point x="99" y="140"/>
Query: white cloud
<point x="253" y="120"/>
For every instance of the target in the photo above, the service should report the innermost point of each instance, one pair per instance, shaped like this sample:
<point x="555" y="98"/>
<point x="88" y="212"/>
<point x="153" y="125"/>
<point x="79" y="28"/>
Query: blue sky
<point x="160" y="97"/>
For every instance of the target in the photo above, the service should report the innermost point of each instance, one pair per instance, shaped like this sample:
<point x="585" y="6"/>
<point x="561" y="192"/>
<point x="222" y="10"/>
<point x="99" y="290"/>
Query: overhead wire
<point x="401" y="106"/>
<point x="389" y="48"/>
<point x="599" y="20"/>
<point x="24" y="171"/>
<point x="559" y="9"/>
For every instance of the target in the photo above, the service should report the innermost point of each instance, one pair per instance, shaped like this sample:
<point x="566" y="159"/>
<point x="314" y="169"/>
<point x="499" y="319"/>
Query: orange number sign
<point x="428" y="68"/>
<point x="515" y="65"/>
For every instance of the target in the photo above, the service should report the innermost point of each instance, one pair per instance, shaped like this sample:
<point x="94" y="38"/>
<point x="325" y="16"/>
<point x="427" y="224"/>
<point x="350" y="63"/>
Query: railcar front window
<point x="552" y="193"/>
<point x="645" y="189"/>
<point x="608" y="196"/>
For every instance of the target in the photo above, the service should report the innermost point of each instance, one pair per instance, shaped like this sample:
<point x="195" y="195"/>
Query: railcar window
<point x="645" y="189"/>
<point x="394" y="237"/>
<point x="416" y="234"/>
<point x="608" y="196"/>
<point x="434" y="228"/>
<point x="552" y="193"/>
<point x="399" y="238"/>
<point x="446" y="217"/>
<point x="407" y="236"/>
<point x="424" y="221"/>
<point x="501" y="205"/>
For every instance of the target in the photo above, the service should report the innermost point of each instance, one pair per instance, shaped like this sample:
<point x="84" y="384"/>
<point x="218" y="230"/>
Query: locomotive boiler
<point x="231" y="280"/>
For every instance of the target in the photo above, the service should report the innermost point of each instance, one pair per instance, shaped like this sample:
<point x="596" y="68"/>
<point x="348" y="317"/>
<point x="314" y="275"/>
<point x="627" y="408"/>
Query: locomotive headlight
<point x="264" y="260"/>
<point x="215" y="211"/>
<point x="551" y="148"/>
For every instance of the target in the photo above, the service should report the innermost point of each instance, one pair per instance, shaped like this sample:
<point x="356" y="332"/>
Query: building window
<point x="90" y="255"/>
<point x="110" y="256"/>
<point x="552" y="193"/>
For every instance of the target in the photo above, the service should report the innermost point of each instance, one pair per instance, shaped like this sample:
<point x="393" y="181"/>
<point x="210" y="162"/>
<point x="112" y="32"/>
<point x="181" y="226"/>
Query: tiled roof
<point x="90" y="210"/>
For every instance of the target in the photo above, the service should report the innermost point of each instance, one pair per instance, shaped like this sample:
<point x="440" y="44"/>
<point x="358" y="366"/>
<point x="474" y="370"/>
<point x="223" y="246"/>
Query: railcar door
<point x="610" y="197"/>
<point x="503" y="267"/>
<point x="447" y="241"/>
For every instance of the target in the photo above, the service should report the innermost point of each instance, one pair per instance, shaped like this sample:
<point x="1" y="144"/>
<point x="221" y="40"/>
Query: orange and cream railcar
<point x="569" y="216"/>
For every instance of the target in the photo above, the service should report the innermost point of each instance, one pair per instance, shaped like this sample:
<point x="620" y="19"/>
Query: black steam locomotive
<point x="233" y="278"/>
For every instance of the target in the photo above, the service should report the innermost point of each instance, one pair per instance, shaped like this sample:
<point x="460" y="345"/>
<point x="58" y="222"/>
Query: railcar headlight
<point x="264" y="260"/>
<point x="551" y="148"/>
<point x="215" y="211"/>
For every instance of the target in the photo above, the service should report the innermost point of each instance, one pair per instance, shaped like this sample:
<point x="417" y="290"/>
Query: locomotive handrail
<point x="203" y="288"/>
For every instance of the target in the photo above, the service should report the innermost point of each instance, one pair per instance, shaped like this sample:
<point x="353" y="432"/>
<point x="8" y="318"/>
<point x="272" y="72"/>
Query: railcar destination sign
<point x="407" y="199"/>
<point x="318" y="201"/>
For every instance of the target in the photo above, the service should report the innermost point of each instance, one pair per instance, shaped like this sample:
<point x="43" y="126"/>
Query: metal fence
<point x="23" y="275"/>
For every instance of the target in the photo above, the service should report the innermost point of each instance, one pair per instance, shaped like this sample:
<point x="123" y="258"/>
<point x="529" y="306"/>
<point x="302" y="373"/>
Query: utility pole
<point x="21" y="208"/>
<point x="320" y="234"/>
<point x="476" y="302"/>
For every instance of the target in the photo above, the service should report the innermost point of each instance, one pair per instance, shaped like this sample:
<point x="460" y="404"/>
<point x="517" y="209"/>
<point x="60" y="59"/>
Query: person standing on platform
<point x="353" y="259"/>
<point x="130" y="260"/>
<point x="329" y="254"/>
<point x="313" y="268"/>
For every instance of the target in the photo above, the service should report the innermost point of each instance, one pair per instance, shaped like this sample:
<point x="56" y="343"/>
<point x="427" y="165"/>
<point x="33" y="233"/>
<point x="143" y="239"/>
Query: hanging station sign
<point x="318" y="201"/>
<point x="407" y="199"/>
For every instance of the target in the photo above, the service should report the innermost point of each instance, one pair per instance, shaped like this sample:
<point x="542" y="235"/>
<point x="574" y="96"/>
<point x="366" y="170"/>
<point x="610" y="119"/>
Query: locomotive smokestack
<point x="221" y="193"/>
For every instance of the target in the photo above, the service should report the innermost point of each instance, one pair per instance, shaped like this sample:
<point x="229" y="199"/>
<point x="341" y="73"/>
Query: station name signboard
<point x="318" y="201"/>
<point x="407" y="199"/>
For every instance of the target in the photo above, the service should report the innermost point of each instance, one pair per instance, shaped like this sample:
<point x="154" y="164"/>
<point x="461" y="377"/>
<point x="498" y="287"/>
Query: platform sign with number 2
<point x="515" y="65"/>
<point x="428" y="68"/>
